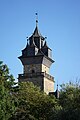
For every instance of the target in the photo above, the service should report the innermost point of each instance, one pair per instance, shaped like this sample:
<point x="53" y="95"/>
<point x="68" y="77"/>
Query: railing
<point x="35" y="74"/>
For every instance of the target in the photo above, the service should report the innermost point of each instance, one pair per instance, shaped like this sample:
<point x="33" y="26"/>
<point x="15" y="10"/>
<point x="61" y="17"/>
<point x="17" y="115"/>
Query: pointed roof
<point x="37" y="32"/>
<point x="46" y="46"/>
<point x="57" y="92"/>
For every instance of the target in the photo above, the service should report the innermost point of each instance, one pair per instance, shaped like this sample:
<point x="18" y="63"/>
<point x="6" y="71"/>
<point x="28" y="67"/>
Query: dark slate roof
<point x="46" y="46"/>
<point x="37" y="33"/>
<point x="40" y="53"/>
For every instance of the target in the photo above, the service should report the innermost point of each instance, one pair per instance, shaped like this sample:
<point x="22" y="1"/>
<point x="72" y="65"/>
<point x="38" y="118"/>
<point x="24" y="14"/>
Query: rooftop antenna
<point x="36" y="18"/>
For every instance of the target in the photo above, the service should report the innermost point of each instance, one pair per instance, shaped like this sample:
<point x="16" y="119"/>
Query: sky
<point x="59" y="21"/>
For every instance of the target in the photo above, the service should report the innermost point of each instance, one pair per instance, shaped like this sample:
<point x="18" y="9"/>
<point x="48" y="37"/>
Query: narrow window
<point x="33" y="71"/>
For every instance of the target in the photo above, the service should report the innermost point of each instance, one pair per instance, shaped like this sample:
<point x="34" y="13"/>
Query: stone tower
<point x="36" y="60"/>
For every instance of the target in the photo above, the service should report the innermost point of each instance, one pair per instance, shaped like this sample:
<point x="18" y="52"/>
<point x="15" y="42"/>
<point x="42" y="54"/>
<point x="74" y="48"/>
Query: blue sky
<point x="59" y="21"/>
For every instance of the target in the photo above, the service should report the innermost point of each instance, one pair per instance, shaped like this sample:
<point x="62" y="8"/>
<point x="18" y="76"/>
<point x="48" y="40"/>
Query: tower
<point x="36" y="59"/>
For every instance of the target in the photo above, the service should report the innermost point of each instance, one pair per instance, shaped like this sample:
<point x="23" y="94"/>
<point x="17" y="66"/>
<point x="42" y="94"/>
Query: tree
<point x="70" y="102"/>
<point x="33" y="104"/>
<point x="26" y="101"/>
<point x="7" y="102"/>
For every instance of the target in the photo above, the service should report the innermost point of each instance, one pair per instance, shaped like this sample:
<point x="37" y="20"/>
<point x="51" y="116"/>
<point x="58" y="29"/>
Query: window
<point x="33" y="71"/>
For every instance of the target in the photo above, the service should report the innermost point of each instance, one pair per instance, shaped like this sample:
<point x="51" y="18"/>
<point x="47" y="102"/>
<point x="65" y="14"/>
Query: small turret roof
<point x="46" y="46"/>
<point x="37" y="32"/>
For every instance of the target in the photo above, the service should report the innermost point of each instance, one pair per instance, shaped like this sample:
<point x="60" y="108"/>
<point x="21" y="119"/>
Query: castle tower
<point x="36" y="60"/>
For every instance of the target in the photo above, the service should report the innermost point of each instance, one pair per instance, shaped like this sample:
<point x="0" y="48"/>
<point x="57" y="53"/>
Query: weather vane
<point x="36" y="18"/>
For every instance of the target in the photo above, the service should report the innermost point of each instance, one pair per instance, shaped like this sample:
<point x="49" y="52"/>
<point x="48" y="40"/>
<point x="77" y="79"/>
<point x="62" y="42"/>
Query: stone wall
<point x="36" y="68"/>
<point x="45" y="69"/>
<point x="48" y="85"/>
<point x="42" y="80"/>
<point x="38" y="80"/>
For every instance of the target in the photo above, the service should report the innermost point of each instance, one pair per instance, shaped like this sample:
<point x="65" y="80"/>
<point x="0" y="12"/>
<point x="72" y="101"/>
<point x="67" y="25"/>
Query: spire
<point x="36" y="31"/>
<point x="36" y="36"/>
<point x="57" y="92"/>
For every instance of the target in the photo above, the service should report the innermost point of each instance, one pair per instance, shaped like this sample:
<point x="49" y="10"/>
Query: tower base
<point x="41" y="79"/>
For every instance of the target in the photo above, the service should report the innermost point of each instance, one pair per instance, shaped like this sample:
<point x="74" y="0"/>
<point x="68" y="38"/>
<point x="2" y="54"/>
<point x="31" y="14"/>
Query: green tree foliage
<point x="70" y="102"/>
<point x="28" y="102"/>
<point x="7" y="106"/>
<point x="34" y="104"/>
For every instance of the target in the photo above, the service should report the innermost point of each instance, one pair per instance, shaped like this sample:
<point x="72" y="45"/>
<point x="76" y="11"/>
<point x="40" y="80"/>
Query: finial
<point x="36" y="18"/>
<point x="27" y="39"/>
<point x="57" y="86"/>
<point x="45" y="38"/>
